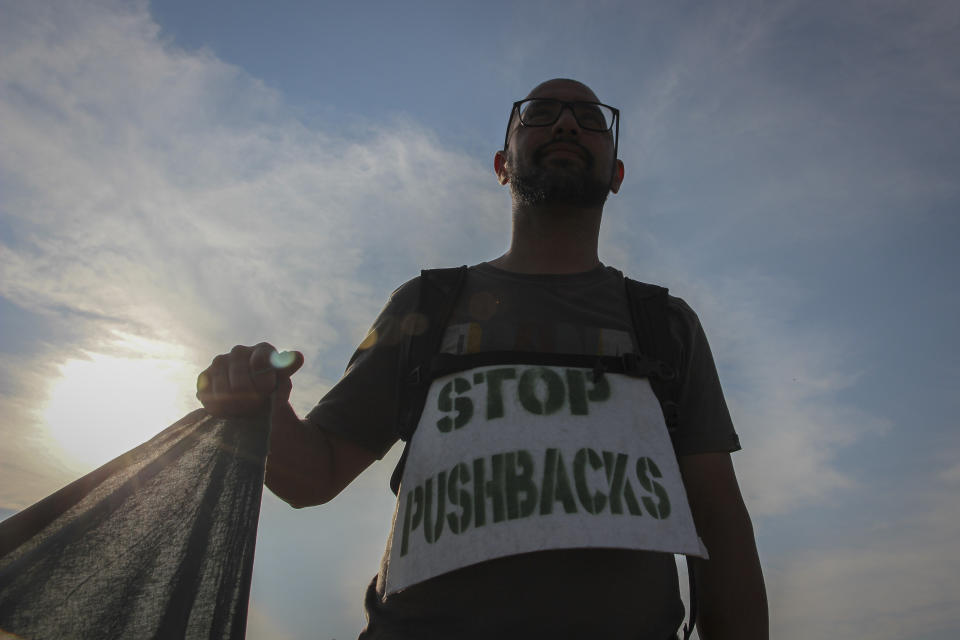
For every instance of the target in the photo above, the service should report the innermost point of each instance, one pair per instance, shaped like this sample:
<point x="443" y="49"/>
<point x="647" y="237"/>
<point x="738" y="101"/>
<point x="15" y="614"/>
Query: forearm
<point x="731" y="594"/>
<point x="307" y="465"/>
<point x="731" y="597"/>
<point x="300" y="467"/>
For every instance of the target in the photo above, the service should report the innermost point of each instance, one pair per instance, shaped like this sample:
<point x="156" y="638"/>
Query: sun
<point x="104" y="404"/>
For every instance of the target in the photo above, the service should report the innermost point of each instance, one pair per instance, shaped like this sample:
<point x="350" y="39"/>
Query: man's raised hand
<point x="241" y="382"/>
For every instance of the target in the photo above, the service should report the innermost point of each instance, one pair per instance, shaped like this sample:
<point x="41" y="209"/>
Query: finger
<point x="260" y="356"/>
<point x="219" y="379"/>
<point x="238" y="371"/>
<point x="262" y="372"/>
<point x="204" y="388"/>
<point x="281" y="395"/>
<point x="212" y="378"/>
<point x="203" y="383"/>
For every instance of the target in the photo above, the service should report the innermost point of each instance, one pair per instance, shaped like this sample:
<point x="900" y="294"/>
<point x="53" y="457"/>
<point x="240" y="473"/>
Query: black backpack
<point x="658" y="360"/>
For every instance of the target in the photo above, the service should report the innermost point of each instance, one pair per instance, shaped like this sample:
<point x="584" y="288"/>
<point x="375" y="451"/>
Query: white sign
<point x="515" y="458"/>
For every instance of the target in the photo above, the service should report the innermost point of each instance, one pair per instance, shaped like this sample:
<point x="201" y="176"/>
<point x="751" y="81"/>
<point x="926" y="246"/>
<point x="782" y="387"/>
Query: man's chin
<point x="558" y="192"/>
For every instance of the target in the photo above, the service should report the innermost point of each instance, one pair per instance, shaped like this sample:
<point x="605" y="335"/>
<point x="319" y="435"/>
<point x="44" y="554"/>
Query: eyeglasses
<point x="543" y="112"/>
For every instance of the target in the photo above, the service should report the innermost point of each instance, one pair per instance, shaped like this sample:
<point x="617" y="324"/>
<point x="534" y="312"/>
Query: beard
<point x="566" y="183"/>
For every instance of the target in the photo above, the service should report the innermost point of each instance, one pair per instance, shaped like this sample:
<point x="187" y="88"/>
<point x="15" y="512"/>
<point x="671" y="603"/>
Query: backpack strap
<point x="648" y="311"/>
<point x="439" y="290"/>
<point x="629" y="364"/>
<point x="691" y="624"/>
<point x="648" y="315"/>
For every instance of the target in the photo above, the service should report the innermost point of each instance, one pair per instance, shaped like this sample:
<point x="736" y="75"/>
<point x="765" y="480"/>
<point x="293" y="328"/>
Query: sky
<point x="180" y="177"/>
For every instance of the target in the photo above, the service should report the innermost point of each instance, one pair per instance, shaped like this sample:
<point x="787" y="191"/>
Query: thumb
<point x="281" y="393"/>
<point x="286" y="363"/>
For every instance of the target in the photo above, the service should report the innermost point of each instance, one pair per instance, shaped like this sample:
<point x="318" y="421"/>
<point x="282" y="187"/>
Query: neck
<point x="552" y="239"/>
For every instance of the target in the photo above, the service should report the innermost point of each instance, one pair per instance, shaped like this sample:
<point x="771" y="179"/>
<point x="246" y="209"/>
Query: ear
<point x="499" y="167"/>
<point x="617" y="179"/>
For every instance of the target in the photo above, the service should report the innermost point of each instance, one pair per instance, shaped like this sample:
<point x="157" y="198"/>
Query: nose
<point x="566" y="123"/>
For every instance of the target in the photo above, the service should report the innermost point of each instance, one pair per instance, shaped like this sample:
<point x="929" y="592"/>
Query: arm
<point x="305" y="466"/>
<point x="731" y="598"/>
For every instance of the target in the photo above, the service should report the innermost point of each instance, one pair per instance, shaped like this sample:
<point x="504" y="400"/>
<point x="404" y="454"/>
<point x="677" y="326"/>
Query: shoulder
<point x="681" y="318"/>
<point x="431" y="287"/>
<point x="397" y="314"/>
<point x="405" y="296"/>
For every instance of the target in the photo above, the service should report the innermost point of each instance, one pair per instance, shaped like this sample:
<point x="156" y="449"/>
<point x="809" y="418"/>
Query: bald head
<point x="561" y="83"/>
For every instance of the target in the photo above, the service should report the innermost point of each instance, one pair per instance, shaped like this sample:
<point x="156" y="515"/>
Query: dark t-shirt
<point x="602" y="593"/>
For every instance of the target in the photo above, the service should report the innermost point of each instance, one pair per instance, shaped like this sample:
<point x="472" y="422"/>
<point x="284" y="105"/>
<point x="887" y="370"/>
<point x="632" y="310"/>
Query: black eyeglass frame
<point x="564" y="104"/>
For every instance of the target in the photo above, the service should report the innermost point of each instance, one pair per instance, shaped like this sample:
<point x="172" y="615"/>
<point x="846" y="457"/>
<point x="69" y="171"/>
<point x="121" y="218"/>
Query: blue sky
<point x="178" y="177"/>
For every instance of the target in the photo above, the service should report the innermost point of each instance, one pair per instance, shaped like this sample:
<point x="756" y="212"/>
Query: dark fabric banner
<point x="157" y="543"/>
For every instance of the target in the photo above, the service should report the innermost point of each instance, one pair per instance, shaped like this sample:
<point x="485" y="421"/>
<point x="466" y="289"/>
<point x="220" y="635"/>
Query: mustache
<point x="543" y="149"/>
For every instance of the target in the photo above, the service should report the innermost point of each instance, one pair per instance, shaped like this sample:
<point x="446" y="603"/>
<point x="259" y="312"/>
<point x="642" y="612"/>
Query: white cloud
<point x="951" y="475"/>
<point x="785" y="388"/>
<point x="169" y="195"/>
<point x="901" y="580"/>
<point x="743" y="118"/>
<point x="784" y="383"/>
<point x="27" y="470"/>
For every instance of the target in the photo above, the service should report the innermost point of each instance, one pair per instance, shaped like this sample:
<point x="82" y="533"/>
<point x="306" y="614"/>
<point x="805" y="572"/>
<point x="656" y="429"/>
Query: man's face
<point x="562" y="163"/>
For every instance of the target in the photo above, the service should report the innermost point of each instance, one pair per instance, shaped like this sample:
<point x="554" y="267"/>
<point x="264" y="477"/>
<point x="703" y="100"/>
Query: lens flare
<point x="369" y="341"/>
<point x="282" y="359"/>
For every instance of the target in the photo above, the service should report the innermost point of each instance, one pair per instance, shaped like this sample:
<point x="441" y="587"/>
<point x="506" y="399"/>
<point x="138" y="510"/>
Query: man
<point x="548" y="293"/>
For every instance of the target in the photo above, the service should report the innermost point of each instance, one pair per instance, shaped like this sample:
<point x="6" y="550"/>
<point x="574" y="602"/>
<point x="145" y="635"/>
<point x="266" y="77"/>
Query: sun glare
<point x="105" y="405"/>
